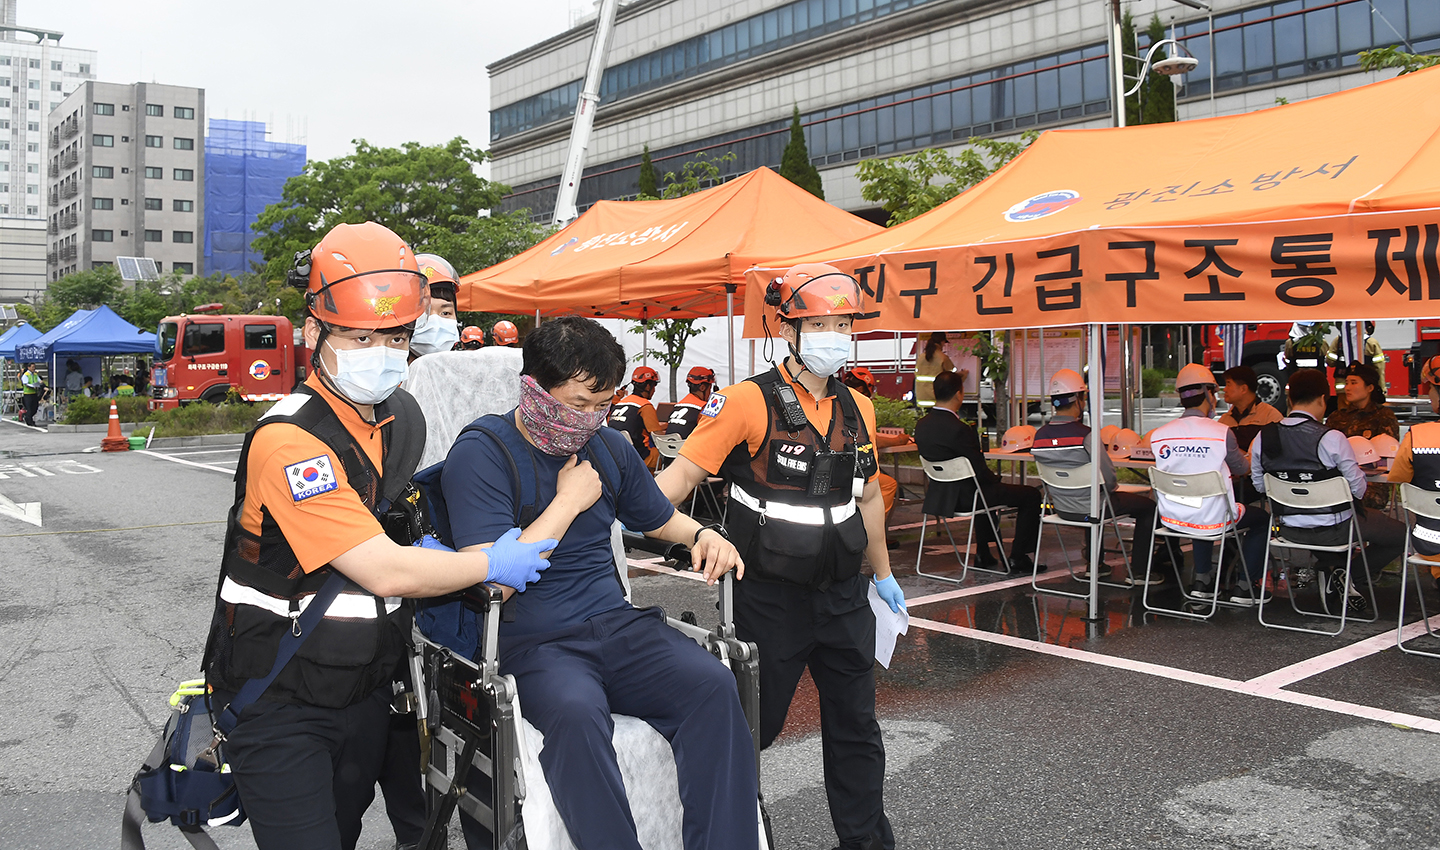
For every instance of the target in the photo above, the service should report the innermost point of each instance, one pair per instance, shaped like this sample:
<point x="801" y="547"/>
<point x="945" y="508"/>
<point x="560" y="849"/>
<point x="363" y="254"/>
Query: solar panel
<point x="137" y="268"/>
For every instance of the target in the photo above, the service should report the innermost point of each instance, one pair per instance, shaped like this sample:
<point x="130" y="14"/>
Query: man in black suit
<point x="943" y="435"/>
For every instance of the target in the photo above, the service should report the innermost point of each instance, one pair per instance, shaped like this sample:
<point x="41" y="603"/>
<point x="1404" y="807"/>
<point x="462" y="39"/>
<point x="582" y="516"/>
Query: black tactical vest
<point x="1292" y="453"/>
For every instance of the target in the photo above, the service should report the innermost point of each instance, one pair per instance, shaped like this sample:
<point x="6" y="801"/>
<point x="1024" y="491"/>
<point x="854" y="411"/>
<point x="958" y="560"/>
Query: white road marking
<point x="186" y="462"/>
<point x="40" y="469"/>
<point x="978" y="589"/>
<point x="1344" y="655"/>
<point x="235" y="449"/>
<point x="23" y="511"/>
<point x="656" y="567"/>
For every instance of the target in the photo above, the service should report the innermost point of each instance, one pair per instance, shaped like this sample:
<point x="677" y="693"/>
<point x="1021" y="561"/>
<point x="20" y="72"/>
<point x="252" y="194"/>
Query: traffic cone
<point x="114" y="441"/>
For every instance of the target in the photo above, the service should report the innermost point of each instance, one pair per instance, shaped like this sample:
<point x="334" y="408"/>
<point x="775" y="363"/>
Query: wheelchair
<point x="483" y="756"/>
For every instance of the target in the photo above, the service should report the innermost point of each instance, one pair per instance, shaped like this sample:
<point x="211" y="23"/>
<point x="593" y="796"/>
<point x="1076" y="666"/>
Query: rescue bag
<point x="186" y="779"/>
<point x="446" y="620"/>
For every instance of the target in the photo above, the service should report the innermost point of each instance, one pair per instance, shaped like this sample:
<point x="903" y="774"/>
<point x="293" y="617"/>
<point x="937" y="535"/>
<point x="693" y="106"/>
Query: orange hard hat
<point x="645" y="375"/>
<point x="700" y="375"/>
<point x="813" y="289"/>
<point x="505" y="333"/>
<point x="473" y="334"/>
<point x="442" y="277"/>
<point x="1429" y="374"/>
<point x="362" y="276"/>
<point x="862" y="375"/>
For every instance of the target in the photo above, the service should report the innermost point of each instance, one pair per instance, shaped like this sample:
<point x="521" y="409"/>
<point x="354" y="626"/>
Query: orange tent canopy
<point x="1321" y="210"/>
<point x="663" y="259"/>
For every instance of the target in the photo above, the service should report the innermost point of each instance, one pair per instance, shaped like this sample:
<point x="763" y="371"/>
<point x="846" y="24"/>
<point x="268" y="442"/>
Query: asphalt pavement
<point x="1010" y="721"/>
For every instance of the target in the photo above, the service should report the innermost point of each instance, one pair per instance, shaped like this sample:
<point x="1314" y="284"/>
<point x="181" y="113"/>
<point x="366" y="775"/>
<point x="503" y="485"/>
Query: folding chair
<point x="1332" y="493"/>
<point x="1076" y="480"/>
<point x="669" y="446"/>
<point x="953" y="471"/>
<point x="1200" y="485"/>
<point x="1417" y="502"/>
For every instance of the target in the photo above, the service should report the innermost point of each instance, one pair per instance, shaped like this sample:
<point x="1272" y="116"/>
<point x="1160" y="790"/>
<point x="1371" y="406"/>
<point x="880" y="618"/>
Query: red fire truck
<point x="1402" y="342"/>
<point x="202" y="356"/>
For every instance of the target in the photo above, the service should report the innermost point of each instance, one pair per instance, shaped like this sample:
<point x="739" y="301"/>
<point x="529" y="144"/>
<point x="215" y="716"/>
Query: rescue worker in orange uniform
<point x="437" y="330"/>
<point x="636" y="416"/>
<point x="1418" y="462"/>
<point x="796" y="447"/>
<point x="321" y="478"/>
<point x="471" y="339"/>
<point x="504" y="333"/>
<point x="862" y="380"/>
<point x="686" y="414"/>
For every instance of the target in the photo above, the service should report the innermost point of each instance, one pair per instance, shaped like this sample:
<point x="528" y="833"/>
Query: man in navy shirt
<point x="576" y="647"/>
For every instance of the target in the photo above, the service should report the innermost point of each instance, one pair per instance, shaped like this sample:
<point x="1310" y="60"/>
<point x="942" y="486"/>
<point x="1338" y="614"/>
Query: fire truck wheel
<point x="1270" y="385"/>
<point x="214" y="396"/>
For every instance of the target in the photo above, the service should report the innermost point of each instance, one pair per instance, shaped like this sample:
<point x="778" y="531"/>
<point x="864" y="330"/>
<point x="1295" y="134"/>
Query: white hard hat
<point x="1122" y="443"/>
<point x="1193" y="375"/>
<point x="1066" y="382"/>
<point x="1107" y="434"/>
<point x="1364" y="450"/>
<point x="1142" y="450"/>
<point x="1385" y="445"/>
<point x="1017" y="439"/>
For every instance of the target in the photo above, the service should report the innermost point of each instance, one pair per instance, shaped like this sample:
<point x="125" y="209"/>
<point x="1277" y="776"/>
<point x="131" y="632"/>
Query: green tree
<point x="696" y="174"/>
<point x="406" y="189"/>
<point x="649" y="179"/>
<point x="795" y="164"/>
<point x="1129" y="50"/>
<point x="83" y="290"/>
<point x="1394" y="57"/>
<point x="1157" y="95"/>
<point x="916" y="183"/>
<point x="485" y="241"/>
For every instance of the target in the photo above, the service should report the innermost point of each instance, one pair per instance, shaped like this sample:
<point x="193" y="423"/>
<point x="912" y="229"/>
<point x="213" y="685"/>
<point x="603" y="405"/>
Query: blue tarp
<point x="244" y="173"/>
<point x="17" y="335"/>
<point x="87" y="332"/>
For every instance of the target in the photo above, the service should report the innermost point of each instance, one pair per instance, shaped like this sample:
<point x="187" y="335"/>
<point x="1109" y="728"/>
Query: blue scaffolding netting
<point x="244" y="173"/>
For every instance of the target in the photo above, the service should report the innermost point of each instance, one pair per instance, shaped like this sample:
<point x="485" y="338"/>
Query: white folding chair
<point x="958" y="470"/>
<point x="1332" y="493"/>
<point x="669" y="446"/>
<point x="1200" y="485"/>
<point x="1416" y="502"/>
<point x="1076" y="481"/>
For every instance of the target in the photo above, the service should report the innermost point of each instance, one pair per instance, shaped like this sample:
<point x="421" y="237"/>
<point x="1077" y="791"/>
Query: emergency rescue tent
<point x="670" y="259"/>
<point x="1328" y="209"/>
<point x="86" y="333"/>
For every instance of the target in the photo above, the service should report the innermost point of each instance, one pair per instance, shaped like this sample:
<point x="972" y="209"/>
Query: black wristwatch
<point x="715" y="527"/>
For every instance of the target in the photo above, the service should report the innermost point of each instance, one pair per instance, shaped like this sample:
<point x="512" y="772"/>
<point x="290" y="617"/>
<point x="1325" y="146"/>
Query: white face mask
<point x="369" y="375"/>
<point x="433" y="334"/>
<point x="824" y="352"/>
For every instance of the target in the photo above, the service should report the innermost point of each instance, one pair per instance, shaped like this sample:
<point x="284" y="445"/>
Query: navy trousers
<point x="630" y="662"/>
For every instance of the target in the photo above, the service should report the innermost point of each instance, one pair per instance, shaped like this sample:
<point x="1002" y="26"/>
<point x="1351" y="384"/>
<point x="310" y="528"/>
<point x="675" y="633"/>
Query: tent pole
<point x="1096" y="387"/>
<point x="730" y="327"/>
<point x="752" y="356"/>
<point x="1127" y="404"/>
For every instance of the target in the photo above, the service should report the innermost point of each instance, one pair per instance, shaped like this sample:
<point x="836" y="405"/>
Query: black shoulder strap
<point x="404" y="443"/>
<point x="502" y="431"/>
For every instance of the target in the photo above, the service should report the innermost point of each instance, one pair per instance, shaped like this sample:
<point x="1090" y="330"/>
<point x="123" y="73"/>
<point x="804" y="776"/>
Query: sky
<point x="319" y="71"/>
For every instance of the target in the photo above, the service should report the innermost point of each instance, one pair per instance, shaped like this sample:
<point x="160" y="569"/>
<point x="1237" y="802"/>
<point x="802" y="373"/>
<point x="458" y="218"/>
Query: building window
<point x="154" y="236"/>
<point x="102" y="203"/>
<point x="102" y="235"/>
<point x="5" y="60"/>
<point x="103" y="171"/>
<point x="154" y="141"/>
<point x="54" y="87"/>
<point x="185" y="174"/>
<point x="102" y="141"/>
<point x="154" y="110"/>
<point x="102" y="109"/>
<point x="54" y="66"/>
<point x="33" y="84"/>
<point x="153" y="173"/>
<point x="184" y="144"/>
<point x="35" y="105"/>
<point x="32" y="167"/>
<point x="34" y="127"/>
<point x="84" y="69"/>
<point x="183" y="268"/>
<point x="184" y="237"/>
<point x="183" y="206"/>
<point x="154" y="204"/>
<point x="33" y="63"/>
<point x="184" y="112"/>
<point x="32" y="190"/>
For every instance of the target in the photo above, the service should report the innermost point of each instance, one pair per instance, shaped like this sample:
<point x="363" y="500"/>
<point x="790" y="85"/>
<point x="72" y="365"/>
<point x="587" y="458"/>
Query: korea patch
<point x="311" y="477"/>
<point x="713" y="406"/>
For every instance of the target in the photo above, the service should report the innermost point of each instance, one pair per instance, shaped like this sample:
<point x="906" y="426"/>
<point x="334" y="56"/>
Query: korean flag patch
<point x="713" y="406"/>
<point x="311" y="477"/>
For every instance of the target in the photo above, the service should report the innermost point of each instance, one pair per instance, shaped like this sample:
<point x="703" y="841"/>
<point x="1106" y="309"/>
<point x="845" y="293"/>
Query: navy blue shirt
<point x="581" y="580"/>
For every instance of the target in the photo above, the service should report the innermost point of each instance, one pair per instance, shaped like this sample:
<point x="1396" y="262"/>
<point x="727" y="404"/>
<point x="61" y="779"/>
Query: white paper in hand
<point x="888" y="626"/>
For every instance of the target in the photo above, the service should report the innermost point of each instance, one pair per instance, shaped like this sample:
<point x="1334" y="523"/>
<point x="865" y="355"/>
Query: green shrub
<point x="893" y="413"/>
<point x="1152" y="381"/>
<point x="84" y="410"/>
<point x="195" y="419"/>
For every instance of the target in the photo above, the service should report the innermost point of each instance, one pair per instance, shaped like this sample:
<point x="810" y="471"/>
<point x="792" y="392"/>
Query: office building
<point x="129" y="177"/>
<point x="875" y="78"/>
<point x="245" y="172"/>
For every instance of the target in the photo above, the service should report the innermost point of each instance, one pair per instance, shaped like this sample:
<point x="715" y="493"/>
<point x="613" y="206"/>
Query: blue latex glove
<point x="515" y="564"/>
<point x="889" y="590"/>
<point x="431" y="542"/>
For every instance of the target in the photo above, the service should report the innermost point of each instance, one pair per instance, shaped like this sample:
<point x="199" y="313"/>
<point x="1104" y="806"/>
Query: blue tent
<point x="87" y="332"/>
<point x="18" y="335"/>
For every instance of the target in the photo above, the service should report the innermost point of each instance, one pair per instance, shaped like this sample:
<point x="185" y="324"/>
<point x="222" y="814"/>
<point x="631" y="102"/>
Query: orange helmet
<point x="1429" y="374"/>
<point x="861" y="379"/>
<point x="702" y="375"/>
<point x="362" y="276"/>
<point x="442" y="277"/>
<point x="645" y="375"/>
<point x="504" y="333"/>
<point x="813" y="289"/>
<point x="472" y="337"/>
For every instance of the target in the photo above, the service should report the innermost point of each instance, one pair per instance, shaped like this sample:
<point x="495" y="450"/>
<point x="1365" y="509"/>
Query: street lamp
<point x="1170" y="65"/>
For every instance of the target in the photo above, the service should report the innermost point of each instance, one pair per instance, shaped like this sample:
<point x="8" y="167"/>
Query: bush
<point x="893" y="413"/>
<point x="1152" y="381"/>
<point x="195" y="419"/>
<point x="84" y="410"/>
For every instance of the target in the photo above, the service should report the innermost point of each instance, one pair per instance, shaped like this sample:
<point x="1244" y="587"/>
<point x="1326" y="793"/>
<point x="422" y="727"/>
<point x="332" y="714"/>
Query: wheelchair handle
<point x="678" y="552"/>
